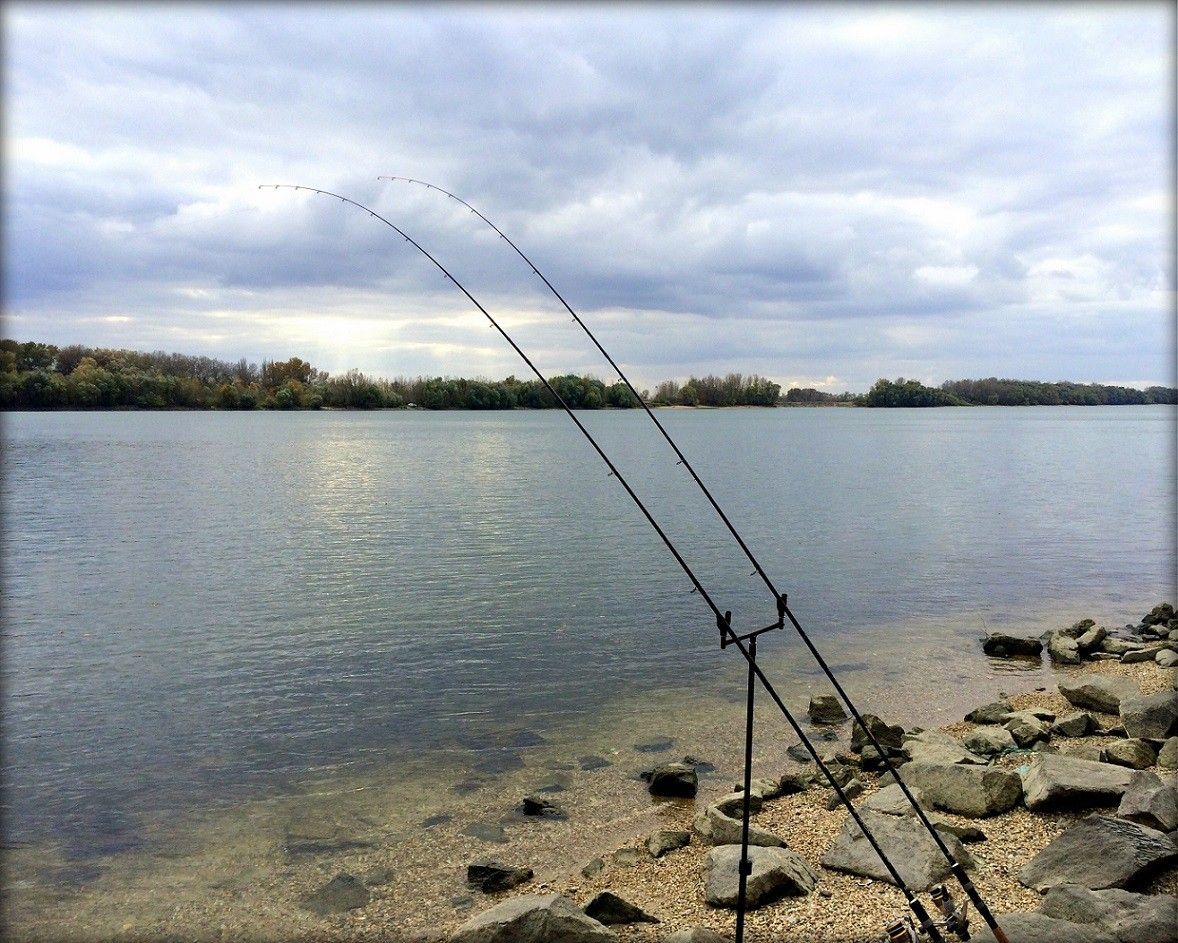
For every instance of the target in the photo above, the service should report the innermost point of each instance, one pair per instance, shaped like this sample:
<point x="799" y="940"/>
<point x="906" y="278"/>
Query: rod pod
<point x="958" y="872"/>
<point x="926" y="923"/>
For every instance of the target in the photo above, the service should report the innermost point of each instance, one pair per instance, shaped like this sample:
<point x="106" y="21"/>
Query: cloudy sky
<point x="821" y="194"/>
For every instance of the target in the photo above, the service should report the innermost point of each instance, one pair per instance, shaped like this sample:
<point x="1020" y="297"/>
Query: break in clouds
<point x="820" y="194"/>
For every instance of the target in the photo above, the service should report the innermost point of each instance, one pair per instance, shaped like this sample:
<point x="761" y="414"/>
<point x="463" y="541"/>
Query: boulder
<point x="1100" y="852"/>
<point x="799" y="781"/>
<point x="826" y="709"/>
<point x="1090" y="639"/>
<point x="965" y="790"/>
<point x="1120" y="647"/>
<point x="1062" y="649"/>
<point x="1098" y="692"/>
<point x="1141" y="655"/>
<point x="1167" y="658"/>
<point x="1056" y="781"/>
<point x="715" y="828"/>
<point x="493" y="876"/>
<point x="891" y="801"/>
<point x="993" y="713"/>
<point x="1127" y="917"/>
<point x="1159" y="614"/>
<point x="776" y="873"/>
<point x="732" y="804"/>
<point x="799" y="753"/>
<point x="907" y="845"/>
<point x="1150" y="716"/>
<point x="343" y="892"/>
<point x="608" y="908"/>
<point x="989" y="741"/>
<point x="852" y="790"/>
<point x="934" y="746"/>
<point x="665" y="840"/>
<point x="1151" y="802"/>
<point x="1079" y="724"/>
<point x="1039" y="928"/>
<point x="1168" y="754"/>
<point x="1135" y="754"/>
<point x="1026" y="729"/>
<point x="548" y="918"/>
<point x="889" y="736"/>
<point x="674" y="779"/>
<point x="1001" y="645"/>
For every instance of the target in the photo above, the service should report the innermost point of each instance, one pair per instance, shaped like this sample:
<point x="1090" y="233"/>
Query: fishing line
<point x="958" y="872"/>
<point x="723" y="619"/>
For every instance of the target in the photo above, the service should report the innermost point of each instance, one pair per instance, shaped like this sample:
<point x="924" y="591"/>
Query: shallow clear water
<point x="198" y="606"/>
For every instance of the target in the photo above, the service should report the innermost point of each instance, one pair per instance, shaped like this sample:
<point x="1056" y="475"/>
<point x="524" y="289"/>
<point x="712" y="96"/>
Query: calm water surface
<point x="201" y="605"/>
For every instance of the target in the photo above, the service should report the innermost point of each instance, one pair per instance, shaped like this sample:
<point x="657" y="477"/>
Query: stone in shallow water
<point x="589" y="763"/>
<point x="493" y="876"/>
<point x="486" y="831"/>
<point x="826" y="709"/>
<point x="343" y="892"/>
<point x="657" y="745"/>
<point x="776" y="873"/>
<point x="674" y="779"/>
<point x="1100" y="852"/>
<point x="533" y="917"/>
<point x="1001" y="645"/>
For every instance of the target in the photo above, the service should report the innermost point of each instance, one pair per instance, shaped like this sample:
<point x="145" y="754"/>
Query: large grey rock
<point x="1063" y="650"/>
<point x="713" y="827"/>
<point x="343" y="892"/>
<point x="1001" y="645"/>
<point x="965" y="790"/>
<point x="891" y="800"/>
<point x="732" y="804"/>
<point x="1168" y="754"/>
<point x="1026" y="729"/>
<point x="776" y="873"/>
<point x="534" y="918"/>
<point x="1078" y="724"/>
<point x="935" y="746"/>
<point x="1167" y="658"/>
<point x="993" y="713"/>
<point x="666" y="840"/>
<point x="492" y="876"/>
<point x="826" y="709"/>
<point x="889" y="736"/>
<point x="1057" y="781"/>
<point x="1120" y="646"/>
<point x="989" y="741"/>
<point x="1128" y="917"/>
<point x="1039" y="928"/>
<point x="1150" y="801"/>
<point x="1098" y="692"/>
<point x="1135" y="754"/>
<point x="906" y="843"/>
<point x="1090" y="639"/>
<point x="1143" y="654"/>
<point x="1100" y="852"/>
<point x="1160" y="614"/>
<point x="1151" y="716"/>
<point x="674" y="779"/>
<point x="608" y="908"/>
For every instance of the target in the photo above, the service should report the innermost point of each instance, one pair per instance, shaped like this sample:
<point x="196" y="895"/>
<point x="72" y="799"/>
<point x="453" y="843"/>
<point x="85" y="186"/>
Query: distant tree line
<point x="43" y="376"/>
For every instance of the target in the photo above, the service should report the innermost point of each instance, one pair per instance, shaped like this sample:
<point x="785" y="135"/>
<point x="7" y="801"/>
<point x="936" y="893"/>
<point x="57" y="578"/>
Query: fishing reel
<point x="955" y="920"/>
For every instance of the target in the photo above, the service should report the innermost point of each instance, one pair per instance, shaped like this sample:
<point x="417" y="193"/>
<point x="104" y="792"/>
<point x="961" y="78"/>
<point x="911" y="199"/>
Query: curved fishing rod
<point x="781" y="599"/>
<point x="723" y="619"/>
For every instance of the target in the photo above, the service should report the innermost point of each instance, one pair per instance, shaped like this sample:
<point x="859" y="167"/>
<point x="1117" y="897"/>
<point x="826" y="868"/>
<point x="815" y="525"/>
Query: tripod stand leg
<point x="745" y="865"/>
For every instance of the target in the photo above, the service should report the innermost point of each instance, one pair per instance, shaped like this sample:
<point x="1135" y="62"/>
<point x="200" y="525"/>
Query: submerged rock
<point x="1100" y="852"/>
<point x="826" y="709"/>
<point x="548" y="918"/>
<point x="776" y="873"/>
<point x="889" y="736"/>
<point x="343" y="892"/>
<point x="1001" y="645"/>
<point x="492" y="876"/>
<point x="674" y="779"/>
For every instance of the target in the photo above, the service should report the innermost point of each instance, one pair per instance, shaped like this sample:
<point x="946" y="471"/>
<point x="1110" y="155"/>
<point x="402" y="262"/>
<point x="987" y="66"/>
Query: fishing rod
<point x="745" y="644"/>
<point x="955" y="867"/>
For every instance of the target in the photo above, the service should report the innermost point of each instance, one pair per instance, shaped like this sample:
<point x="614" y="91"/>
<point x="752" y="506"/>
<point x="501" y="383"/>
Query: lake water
<point x="200" y="607"/>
